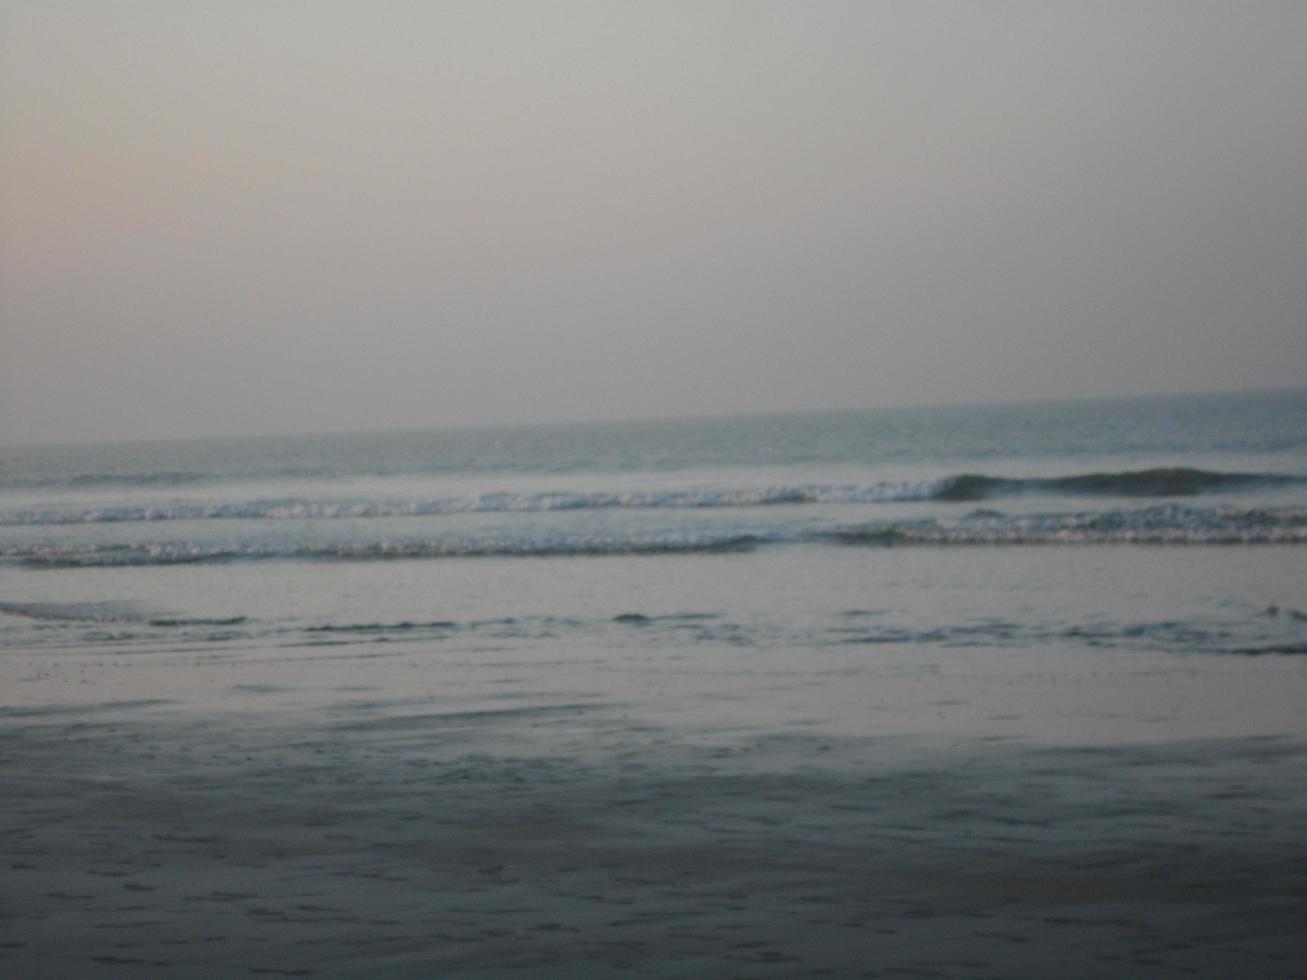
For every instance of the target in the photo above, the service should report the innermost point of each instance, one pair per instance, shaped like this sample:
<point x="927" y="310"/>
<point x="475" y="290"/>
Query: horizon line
<point x="648" y="419"/>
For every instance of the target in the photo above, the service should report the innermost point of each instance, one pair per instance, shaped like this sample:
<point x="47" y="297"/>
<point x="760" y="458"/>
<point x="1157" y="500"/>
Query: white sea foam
<point x="1169" y="524"/>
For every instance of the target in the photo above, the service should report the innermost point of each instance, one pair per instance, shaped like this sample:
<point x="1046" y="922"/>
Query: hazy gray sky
<point x="255" y="217"/>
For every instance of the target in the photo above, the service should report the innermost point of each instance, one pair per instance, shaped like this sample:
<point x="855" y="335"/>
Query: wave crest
<point x="1156" y="482"/>
<point x="187" y="553"/>
<point x="1163" y="482"/>
<point x="1164" y="524"/>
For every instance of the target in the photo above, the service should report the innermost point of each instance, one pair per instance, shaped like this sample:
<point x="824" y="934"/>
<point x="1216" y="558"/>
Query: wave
<point x="167" y="621"/>
<point x="1219" y="637"/>
<point x="72" y="612"/>
<point x="290" y="508"/>
<point x="1169" y="482"/>
<point x="1157" y="482"/>
<point x="189" y="553"/>
<point x="105" y="613"/>
<point x="96" y="480"/>
<point x="400" y="627"/>
<point x="678" y="619"/>
<point x="1166" y="524"/>
<point x="1274" y="649"/>
<point x="1249" y="635"/>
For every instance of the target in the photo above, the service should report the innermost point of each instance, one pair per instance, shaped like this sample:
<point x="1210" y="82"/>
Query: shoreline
<point x="538" y="814"/>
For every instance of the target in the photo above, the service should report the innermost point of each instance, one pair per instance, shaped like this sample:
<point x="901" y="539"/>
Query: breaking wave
<point x="188" y="553"/>
<point x="1169" y="482"/>
<point x="1157" y="482"/>
<point x="1163" y="524"/>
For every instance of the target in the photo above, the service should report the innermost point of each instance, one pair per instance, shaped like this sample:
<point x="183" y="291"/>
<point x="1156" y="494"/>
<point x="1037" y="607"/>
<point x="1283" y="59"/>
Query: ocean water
<point x="1164" y="527"/>
<point x="1004" y="691"/>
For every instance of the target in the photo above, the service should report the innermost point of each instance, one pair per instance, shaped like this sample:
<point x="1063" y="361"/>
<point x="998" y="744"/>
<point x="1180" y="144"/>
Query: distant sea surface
<point x="1165" y="525"/>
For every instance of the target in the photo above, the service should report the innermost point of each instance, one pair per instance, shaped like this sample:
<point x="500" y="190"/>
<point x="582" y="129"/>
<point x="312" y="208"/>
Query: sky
<point x="272" y="216"/>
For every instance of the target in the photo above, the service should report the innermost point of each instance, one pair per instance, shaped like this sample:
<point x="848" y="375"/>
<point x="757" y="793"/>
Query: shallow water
<point x="1167" y="524"/>
<point x="1013" y="691"/>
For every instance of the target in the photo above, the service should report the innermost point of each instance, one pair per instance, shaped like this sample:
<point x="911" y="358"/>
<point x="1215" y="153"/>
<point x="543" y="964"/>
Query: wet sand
<point x="339" y="811"/>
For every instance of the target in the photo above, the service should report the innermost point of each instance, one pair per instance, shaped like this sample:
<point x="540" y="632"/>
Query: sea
<point x="1163" y="527"/>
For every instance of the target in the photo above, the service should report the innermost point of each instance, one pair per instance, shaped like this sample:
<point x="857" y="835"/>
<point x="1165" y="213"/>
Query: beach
<point x="716" y="490"/>
<point x="1013" y="691"/>
<point x="394" y="809"/>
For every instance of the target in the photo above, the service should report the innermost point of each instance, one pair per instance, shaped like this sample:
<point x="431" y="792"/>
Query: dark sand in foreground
<point x="409" y="828"/>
